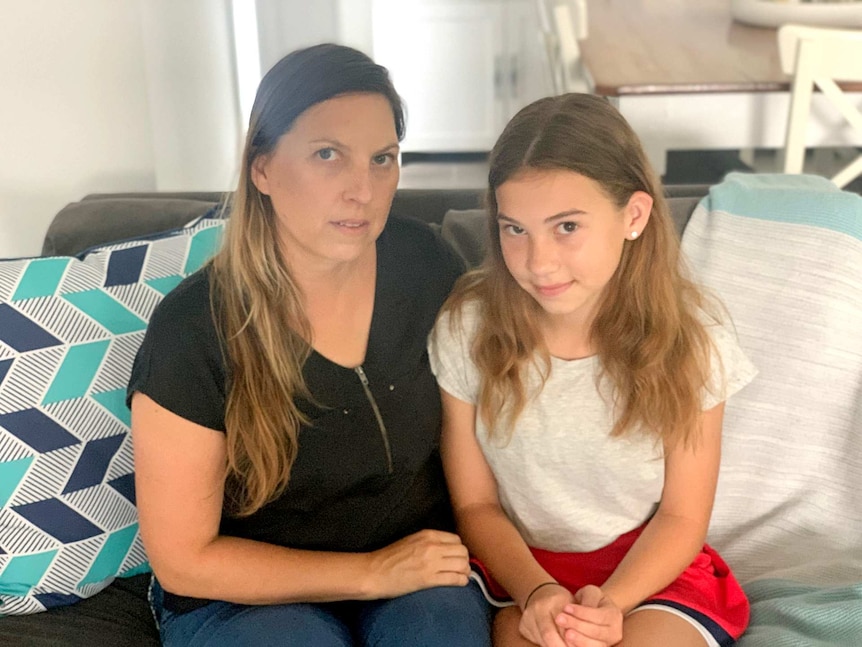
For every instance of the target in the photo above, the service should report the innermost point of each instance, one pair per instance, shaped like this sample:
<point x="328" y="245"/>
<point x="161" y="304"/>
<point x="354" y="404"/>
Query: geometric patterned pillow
<point x="69" y="331"/>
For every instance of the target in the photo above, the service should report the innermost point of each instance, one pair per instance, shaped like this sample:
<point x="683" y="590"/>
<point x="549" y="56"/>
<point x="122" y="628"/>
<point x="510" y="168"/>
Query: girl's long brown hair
<point x="257" y="304"/>
<point x="648" y="331"/>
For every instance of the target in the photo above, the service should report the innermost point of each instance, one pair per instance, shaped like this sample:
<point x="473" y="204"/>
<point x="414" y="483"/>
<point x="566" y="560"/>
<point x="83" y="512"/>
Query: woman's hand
<point x="592" y="620"/>
<point x="538" y="618"/>
<point x="419" y="561"/>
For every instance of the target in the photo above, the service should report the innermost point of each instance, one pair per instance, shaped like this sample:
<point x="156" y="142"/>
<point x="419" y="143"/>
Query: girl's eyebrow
<point x="549" y="219"/>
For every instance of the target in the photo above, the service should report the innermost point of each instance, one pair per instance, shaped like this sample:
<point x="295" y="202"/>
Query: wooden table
<point x="688" y="77"/>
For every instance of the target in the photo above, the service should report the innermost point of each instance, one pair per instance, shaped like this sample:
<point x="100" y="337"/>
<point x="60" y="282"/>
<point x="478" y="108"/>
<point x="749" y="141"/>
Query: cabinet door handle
<point x="499" y="93"/>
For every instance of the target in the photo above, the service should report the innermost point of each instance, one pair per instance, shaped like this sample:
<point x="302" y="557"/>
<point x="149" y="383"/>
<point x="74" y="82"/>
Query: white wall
<point x="285" y="25"/>
<point x="132" y="95"/>
<point x="74" y="116"/>
<point x="354" y="24"/>
<point x="191" y="88"/>
<point x="106" y="96"/>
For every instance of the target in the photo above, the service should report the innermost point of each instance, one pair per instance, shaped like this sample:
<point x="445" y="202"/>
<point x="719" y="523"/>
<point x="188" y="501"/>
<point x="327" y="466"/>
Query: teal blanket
<point x="788" y="614"/>
<point x="784" y="254"/>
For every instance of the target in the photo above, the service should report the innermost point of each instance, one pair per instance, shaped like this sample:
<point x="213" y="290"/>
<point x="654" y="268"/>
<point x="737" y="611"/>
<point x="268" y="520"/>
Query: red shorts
<point x="706" y="591"/>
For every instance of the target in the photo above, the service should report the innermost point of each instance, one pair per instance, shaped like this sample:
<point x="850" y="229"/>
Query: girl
<point x="284" y="414"/>
<point x="583" y="378"/>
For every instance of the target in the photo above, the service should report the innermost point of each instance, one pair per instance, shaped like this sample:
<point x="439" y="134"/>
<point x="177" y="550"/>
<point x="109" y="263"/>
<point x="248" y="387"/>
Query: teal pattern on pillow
<point x="69" y="331"/>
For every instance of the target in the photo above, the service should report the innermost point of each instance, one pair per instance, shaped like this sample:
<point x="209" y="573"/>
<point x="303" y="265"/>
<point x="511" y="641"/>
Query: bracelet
<point x="527" y="601"/>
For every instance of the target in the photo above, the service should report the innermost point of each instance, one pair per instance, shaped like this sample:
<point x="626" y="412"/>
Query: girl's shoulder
<point x="719" y="327"/>
<point x="462" y="316"/>
<point x="730" y="367"/>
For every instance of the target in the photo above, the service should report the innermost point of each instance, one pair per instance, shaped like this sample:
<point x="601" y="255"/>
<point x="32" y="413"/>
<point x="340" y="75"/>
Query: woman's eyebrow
<point x="337" y="144"/>
<point x="391" y="147"/>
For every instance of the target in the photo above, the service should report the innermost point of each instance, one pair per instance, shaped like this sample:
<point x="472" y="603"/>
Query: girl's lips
<point x="552" y="290"/>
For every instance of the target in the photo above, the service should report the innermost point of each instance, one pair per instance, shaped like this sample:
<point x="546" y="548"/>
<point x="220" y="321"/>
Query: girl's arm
<point x="675" y="534"/>
<point x="179" y="480"/>
<point x="488" y="532"/>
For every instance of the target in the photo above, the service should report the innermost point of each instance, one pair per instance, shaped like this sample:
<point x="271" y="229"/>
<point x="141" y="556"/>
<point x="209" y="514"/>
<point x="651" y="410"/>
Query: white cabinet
<point x="463" y="67"/>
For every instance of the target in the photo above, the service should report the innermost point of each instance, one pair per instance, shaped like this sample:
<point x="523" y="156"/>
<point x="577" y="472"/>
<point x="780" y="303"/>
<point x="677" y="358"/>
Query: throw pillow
<point x="69" y="331"/>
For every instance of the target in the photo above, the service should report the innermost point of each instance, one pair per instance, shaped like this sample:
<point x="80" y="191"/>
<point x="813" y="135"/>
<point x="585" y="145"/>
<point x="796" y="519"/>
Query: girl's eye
<point x="567" y="227"/>
<point x="513" y="230"/>
<point x="384" y="159"/>
<point x="326" y="154"/>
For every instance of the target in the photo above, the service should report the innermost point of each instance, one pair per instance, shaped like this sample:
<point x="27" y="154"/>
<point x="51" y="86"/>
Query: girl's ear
<point x="637" y="213"/>
<point x="259" y="178"/>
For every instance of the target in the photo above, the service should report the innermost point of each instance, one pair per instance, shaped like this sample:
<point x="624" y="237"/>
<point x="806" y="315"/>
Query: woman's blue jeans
<point x="447" y="616"/>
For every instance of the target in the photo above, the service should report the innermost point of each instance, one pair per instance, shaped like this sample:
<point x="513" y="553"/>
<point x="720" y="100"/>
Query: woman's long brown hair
<point x="648" y="331"/>
<point x="257" y="304"/>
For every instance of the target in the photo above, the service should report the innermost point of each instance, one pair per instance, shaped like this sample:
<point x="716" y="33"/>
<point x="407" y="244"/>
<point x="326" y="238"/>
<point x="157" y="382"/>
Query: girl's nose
<point x="542" y="257"/>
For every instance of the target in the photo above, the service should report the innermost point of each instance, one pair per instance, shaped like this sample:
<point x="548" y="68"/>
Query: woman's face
<point x="331" y="179"/>
<point x="562" y="239"/>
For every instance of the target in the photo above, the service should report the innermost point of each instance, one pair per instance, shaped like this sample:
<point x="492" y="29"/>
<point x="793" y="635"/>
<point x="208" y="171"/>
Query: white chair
<point x="564" y="23"/>
<point x="818" y="56"/>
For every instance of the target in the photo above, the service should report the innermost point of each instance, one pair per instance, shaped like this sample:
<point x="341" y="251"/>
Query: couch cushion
<point x="97" y="221"/>
<point x="467" y="231"/>
<point x="119" y="616"/>
<point x="69" y="330"/>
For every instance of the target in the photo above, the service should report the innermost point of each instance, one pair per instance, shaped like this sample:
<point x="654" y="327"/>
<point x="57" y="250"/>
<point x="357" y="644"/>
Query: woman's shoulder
<point x="188" y="304"/>
<point x="414" y="258"/>
<point x="404" y="229"/>
<point x="422" y="244"/>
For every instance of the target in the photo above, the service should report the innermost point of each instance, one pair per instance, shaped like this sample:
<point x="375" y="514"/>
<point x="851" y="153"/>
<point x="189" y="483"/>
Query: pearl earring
<point x="634" y="235"/>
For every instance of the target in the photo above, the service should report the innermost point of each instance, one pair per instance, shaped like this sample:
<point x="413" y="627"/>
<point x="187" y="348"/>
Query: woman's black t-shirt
<point x="358" y="482"/>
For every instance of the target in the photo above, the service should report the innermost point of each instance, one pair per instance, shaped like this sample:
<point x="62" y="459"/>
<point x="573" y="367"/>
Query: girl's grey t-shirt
<point x="565" y="483"/>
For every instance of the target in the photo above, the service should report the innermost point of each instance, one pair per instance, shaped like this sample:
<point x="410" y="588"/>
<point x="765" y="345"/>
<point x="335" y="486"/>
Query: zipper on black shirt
<point x="364" y="379"/>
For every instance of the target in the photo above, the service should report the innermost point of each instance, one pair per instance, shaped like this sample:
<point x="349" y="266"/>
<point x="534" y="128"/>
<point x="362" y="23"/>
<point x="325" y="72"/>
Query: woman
<point x="584" y="378"/>
<point x="284" y="415"/>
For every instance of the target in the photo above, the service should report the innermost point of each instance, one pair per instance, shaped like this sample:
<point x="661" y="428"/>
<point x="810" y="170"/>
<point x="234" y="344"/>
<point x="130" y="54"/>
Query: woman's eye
<point x="383" y="159"/>
<point x="567" y="227"/>
<point x="326" y="153"/>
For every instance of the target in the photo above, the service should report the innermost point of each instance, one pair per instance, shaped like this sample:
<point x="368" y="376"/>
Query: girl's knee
<point x="656" y="627"/>
<point x="507" y="631"/>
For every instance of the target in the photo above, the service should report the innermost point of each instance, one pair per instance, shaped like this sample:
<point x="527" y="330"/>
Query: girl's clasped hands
<point x="553" y="617"/>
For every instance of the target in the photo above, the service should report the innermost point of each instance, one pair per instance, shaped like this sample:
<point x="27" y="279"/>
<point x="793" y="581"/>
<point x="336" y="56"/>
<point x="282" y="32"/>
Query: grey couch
<point x="119" y="616"/>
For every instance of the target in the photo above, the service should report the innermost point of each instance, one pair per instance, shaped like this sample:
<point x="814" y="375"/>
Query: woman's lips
<point x="350" y="225"/>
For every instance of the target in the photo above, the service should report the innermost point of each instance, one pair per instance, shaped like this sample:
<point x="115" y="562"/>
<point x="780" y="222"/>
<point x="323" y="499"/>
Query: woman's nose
<point x="359" y="186"/>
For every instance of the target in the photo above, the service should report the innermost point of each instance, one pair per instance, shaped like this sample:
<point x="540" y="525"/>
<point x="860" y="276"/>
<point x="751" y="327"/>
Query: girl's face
<point x="331" y="179"/>
<point x="562" y="239"/>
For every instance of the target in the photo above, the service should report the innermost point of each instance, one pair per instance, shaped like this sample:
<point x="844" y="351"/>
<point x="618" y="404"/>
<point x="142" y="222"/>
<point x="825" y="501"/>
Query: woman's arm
<point x="179" y="479"/>
<point x="671" y="539"/>
<point x="488" y="532"/>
